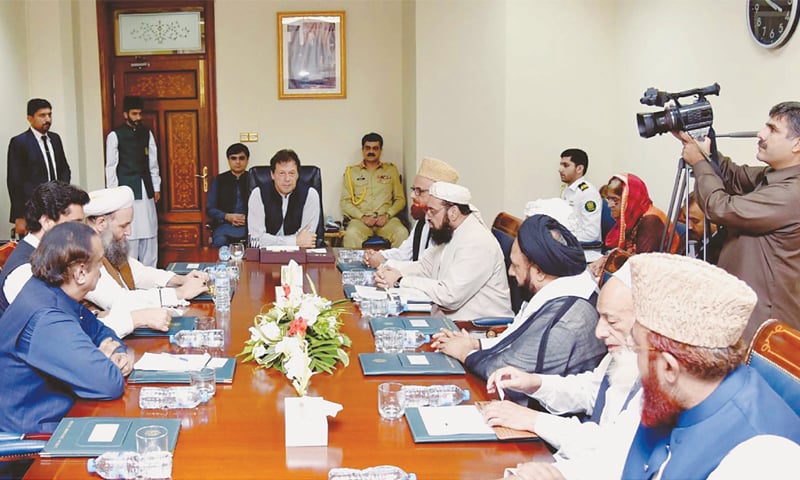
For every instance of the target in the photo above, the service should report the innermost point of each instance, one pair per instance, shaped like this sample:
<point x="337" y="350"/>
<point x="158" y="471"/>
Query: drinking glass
<point x="391" y="400"/>
<point x="205" y="381"/>
<point x="237" y="252"/>
<point x="151" y="438"/>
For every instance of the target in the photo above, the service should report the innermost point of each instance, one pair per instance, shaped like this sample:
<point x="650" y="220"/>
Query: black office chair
<point x="310" y="174"/>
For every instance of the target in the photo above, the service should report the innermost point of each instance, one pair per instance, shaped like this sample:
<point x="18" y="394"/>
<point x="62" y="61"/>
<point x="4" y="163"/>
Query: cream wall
<point x="461" y="91"/>
<point x="326" y="133"/>
<point x="498" y="88"/>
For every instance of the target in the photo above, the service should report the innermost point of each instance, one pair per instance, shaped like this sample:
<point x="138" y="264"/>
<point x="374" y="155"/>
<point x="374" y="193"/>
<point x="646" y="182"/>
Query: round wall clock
<point x="771" y="22"/>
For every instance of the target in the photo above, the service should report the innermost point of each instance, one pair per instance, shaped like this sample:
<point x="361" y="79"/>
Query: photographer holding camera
<point x="758" y="207"/>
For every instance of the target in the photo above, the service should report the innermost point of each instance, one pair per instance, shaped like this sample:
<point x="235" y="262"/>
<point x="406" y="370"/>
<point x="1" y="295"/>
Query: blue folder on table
<point x="224" y="375"/>
<point x="206" y="297"/>
<point x="347" y="266"/>
<point x="426" y="325"/>
<point x="421" y="435"/>
<point x="409" y="363"/>
<point x="92" y="436"/>
<point x="175" y="325"/>
<point x="182" y="268"/>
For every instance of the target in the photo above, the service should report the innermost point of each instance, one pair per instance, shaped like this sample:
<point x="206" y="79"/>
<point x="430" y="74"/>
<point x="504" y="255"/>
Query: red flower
<point x="286" y="290"/>
<point x="298" y="326"/>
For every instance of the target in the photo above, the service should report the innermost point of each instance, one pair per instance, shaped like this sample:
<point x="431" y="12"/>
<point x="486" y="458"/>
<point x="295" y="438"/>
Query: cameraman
<point x="758" y="206"/>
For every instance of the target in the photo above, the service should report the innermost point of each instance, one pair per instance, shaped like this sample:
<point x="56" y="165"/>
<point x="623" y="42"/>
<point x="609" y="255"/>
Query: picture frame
<point x="311" y="55"/>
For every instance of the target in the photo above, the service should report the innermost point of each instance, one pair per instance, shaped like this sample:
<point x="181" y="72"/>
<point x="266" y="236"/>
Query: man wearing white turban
<point x="465" y="273"/>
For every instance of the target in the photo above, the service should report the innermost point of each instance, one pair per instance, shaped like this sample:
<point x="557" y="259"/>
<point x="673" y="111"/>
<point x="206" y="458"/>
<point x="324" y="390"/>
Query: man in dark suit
<point x="35" y="156"/>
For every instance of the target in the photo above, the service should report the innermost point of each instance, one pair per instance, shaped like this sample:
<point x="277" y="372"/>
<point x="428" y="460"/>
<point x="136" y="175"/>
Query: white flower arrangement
<point x="299" y="336"/>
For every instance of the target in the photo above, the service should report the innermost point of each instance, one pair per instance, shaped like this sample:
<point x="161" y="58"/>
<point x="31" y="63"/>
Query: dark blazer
<point x="27" y="168"/>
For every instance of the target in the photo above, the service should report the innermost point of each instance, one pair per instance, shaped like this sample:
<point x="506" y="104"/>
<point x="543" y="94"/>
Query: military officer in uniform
<point x="372" y="195"/>
<point x="584" y="199"/>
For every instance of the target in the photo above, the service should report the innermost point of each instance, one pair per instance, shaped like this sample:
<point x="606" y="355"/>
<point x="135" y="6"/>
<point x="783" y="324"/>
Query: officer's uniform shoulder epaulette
<point x="583" y="186"/>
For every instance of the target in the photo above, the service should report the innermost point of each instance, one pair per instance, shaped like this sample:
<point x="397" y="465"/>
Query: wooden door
<point x="179" y="108"/>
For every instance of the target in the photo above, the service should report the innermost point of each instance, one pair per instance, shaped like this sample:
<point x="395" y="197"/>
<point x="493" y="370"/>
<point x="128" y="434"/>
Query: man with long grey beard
<point x="126" y="285"/>
<point x="610" y="394"/>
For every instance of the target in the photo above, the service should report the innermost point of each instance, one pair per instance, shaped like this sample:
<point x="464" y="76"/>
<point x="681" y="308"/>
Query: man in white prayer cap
<point x="465" y="273"/>
<point x="126" y="287"/>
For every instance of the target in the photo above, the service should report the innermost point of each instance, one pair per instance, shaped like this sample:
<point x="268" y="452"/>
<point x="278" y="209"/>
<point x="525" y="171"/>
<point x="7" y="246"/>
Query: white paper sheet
<point x="459" y="419"/>
<point x="371" y="293"/>
<point x="103" y="432"/>
<point x="165" y="362"/>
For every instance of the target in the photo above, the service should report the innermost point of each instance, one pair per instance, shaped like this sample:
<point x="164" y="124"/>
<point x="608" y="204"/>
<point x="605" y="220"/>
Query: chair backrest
<point x="775" y="354"/>
<point x="260" y="176"/>
<point x="504" y="229"/>
<point x="5" y="251"/>
<point x="606" y="221"/>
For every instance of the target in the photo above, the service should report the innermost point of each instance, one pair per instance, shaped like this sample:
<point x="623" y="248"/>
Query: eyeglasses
<point x="435" y="211"/>
<point x="418" y="191"/>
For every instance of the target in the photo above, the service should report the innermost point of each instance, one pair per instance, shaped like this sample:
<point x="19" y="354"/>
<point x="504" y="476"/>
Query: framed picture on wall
<point x="311" y="55"/>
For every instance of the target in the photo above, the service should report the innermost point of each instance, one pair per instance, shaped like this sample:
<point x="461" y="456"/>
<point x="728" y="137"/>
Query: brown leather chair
<point x="775" y="354"/>
<point x="5" y="251"/>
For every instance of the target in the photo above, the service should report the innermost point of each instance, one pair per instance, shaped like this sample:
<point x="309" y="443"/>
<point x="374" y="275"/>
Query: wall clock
<point x="771" y="22"/>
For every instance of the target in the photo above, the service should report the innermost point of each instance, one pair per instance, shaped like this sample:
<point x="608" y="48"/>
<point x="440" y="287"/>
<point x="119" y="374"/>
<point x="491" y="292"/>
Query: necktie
<point x="50" y="165"/>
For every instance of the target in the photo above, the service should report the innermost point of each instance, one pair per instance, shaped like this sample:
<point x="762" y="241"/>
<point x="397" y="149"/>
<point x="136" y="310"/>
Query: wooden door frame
<point x="105" y="38"/>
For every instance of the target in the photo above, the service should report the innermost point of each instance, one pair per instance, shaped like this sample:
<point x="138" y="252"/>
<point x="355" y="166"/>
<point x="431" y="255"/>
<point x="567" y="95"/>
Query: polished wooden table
<point x="240" y="433"/>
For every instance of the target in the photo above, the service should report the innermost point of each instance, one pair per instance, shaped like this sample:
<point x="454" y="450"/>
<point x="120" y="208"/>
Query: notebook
<point x="182" y="268"/>
<point x="175" y="325"/>
<point x="411" y="363"/>
<point x="426" y="325"/>
<point x="92" y="436"/>
<point x="224" y="374"/>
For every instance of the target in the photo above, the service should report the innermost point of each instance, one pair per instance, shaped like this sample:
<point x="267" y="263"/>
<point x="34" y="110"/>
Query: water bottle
<point x="383" y="472"/>
<point x="222" y="290"/>
<point x="115" y="465"/>
<point x="413" y="339"/>
<point x="168" y="397"/>
<point x="131" y="465"/>
<point x="198" y="338"/>
<point x="224" y="254"/>
<point x="434" y="395"/>
<point x="156" y="464"/>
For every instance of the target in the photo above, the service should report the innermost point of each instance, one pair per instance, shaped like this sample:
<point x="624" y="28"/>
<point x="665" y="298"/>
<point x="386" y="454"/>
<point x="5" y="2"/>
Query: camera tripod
<point x="680" y="198"/>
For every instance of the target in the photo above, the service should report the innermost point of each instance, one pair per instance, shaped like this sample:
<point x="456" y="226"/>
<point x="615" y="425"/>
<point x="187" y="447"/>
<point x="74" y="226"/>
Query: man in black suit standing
<point x="35" y="156"/>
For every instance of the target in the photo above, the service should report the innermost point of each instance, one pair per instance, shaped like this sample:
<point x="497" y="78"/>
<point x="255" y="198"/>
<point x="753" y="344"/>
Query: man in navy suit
<point x="35" y="156"/>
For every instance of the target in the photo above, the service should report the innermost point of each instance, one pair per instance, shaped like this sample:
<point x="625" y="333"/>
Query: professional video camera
<point x="694" y="119"/>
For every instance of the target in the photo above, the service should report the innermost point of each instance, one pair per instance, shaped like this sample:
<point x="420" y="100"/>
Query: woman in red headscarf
<point x="640" y="224"/>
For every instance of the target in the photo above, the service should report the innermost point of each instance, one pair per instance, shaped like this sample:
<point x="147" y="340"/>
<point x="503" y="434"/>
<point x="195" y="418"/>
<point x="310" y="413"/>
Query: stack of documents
<point x="413" y="300"/>
<point x="168" y="368"/>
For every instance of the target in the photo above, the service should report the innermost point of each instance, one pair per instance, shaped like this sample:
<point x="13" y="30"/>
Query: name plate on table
<point x="92" y="436"/>
<point x="320" y="255"/>
<point x="175" y="325"/>
<point x="182" y="268"/>
<point x="412" y="363"/>
<point x="252" y="254"/>
<point x="426" y="325"/>
<point x="282" y="255"/>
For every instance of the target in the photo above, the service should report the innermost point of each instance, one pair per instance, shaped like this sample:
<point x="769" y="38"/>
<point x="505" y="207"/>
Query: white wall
<point x="326" y="133"/>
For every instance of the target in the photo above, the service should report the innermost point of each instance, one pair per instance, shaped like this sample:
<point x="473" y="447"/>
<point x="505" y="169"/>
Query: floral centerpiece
<point x="299" y="336"/>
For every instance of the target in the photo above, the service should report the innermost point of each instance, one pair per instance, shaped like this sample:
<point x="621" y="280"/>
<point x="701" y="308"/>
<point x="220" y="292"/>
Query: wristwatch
<point x="397" y="282"/>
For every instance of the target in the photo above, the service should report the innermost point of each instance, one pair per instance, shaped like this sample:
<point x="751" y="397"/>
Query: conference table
<point x="239" y="433"/>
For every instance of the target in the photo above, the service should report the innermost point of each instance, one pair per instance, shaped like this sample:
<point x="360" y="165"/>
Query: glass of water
<point x="237" y="252"/>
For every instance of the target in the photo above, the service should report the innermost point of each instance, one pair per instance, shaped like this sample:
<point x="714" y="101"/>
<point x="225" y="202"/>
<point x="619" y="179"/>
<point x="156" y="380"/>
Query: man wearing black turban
<point x="554" y="332"/>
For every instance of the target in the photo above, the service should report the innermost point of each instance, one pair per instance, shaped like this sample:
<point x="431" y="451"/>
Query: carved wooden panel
<point x="179" y="235"/>
<point x="162" y="85"/>
<point x="182" y="160"/>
